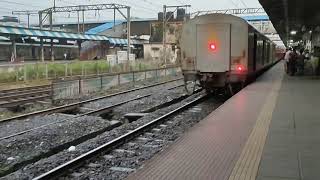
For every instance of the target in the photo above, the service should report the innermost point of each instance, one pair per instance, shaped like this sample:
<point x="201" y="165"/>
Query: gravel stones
<point x="46" y="164"/>
<point x="48" y="140"/>
<point x="145" y="146"/>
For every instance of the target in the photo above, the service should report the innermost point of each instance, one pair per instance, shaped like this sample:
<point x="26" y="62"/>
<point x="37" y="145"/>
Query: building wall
<point x="155" y="52"/>
<point x="93" y="50"/>
<point x="173" y="32"/>
<point x="138" y="28"/>
<point x="141" y="28"/>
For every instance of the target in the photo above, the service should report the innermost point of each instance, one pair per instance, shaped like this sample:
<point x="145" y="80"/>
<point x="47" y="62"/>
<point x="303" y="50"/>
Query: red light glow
<point x="240" y="68"/>
<point x="212" y="46"/>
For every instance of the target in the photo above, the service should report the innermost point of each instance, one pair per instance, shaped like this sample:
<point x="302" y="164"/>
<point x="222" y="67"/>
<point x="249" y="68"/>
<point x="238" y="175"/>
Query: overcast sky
<point x="140" y="8"/>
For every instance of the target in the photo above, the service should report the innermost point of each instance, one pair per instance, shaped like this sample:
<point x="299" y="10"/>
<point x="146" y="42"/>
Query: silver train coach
<point x="222" y="52"/>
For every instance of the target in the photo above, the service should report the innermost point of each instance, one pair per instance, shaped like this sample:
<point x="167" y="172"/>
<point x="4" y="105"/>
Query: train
<point x="222" y="52"/>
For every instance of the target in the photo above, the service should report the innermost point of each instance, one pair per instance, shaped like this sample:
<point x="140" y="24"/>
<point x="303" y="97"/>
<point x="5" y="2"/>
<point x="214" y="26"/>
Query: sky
<point x="139" y="8"/>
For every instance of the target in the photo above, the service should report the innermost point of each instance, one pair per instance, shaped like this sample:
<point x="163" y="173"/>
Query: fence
<point x="64" y="89"/>
<point x="53" y="70"/>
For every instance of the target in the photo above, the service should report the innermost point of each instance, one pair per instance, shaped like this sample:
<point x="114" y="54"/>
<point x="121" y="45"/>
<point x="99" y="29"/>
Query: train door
<point x="251" y="51"/>
<point x="255" y="52"/>
<point x="213" y="47"/>
<point x="263" y="52"/>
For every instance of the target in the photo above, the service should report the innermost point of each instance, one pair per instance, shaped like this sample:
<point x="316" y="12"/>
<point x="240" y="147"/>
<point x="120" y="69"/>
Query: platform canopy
<point x="118" y="41"/>
<point x="4" y="38"/>
<point x="293" y="18"/>
<point x="22" y="31"/>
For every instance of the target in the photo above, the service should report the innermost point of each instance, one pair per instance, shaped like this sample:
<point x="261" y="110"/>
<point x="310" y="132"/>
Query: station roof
<point x="7" y="30"/>
<point x="2" y="38"/>
<point x="103" y="27"/>
<point x="21" y="31"/>
<point x="294" y="15"/>
<point x="100" y="22"/>
<point x="256" y="18"/>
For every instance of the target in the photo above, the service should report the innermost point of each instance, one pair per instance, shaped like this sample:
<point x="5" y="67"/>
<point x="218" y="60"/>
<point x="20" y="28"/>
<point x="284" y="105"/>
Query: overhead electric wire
<point x="244" y="4"/>
<point x="236" y="5"/>
<point x="180" y="2"/>
<point x="7" y="9"/>
<point x="140" y="7"/>
<point x="67" y="2"/>
<point x="152" y="3"/>
<point x="16" y="3"/>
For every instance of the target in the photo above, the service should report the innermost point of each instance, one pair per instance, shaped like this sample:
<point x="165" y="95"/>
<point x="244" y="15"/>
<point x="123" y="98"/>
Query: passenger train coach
<point x="223" y="51"/>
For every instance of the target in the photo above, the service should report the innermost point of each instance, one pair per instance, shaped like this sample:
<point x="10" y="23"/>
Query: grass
<point x="38" y="71"/>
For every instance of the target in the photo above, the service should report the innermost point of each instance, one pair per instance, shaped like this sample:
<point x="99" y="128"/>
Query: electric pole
<point x="165" y="21"/>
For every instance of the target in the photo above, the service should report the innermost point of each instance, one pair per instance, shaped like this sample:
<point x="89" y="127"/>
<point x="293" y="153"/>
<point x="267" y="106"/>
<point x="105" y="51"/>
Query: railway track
<point x="15" y="97"/>
<point x="94" y="112"/>
<point x="83" y="159"/>
<point x="74" y="119"/>
<point x="71" y="106"/>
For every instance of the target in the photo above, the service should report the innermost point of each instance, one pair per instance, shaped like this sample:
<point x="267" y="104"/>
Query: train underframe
<point x="219" y="83"/>
<point x="223" y="83"/>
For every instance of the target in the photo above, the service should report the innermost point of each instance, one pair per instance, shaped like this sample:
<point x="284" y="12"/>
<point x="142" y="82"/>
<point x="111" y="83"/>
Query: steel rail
<point x="105" y="148"/>
<point x="77" y="104"/>
<point x="93" y="112"/>
<point x="90" y="113"/>
<point x="8" y="91"/>
<point x="22" y="101"/>
<point x="17" y="95"/>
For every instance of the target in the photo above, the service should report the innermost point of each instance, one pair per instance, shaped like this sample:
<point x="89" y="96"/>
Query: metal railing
<point x="73" y="87"/>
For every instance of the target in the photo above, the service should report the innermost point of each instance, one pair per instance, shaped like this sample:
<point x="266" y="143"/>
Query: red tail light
<point x="212" y="46"/>
<point x="240" y="68"/>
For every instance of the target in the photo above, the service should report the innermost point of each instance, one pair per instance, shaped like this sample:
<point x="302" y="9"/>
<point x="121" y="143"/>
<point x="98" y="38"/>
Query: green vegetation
<point x="49" y="70"/>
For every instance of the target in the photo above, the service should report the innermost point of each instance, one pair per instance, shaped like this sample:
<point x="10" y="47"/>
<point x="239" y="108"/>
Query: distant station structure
<point x="18" y="32"/>
<point x="297" y="22"/>
<point x="148" y="38"/>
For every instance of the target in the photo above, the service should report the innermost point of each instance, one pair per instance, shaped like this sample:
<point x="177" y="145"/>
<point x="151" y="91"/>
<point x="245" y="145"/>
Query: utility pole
<point x="164" y="24"/>
<point x="83" y="8"/>
<point x="51" y="28"/>
<point x="83" y="29"/>
<point x="165" y="21"/>
<point x="128" y="32"/>
<point x="78" y="14"/>
<point x="41" y="39"/>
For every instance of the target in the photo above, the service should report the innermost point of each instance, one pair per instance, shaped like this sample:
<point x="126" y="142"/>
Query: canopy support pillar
<point x="14" y="49"/>
<point x="79" y="48"/>
<point x="51" y="27"/>
<point x="41" y="39"/>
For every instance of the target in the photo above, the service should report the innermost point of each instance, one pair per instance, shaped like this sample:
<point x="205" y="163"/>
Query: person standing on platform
<point x="286" y="58"/>
<point x="300" y="62"/>
<point x="293" y="62"/>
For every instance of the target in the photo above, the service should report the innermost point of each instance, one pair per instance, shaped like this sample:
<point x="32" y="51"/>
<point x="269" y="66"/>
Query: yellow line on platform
<point x="247" y="165"/>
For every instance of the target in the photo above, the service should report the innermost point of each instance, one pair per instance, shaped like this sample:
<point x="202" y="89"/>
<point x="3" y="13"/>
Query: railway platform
<point x="268" y="131"/>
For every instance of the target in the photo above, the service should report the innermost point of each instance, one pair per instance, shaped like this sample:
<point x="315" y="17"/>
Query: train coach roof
<point x="232" y="18"/>
<point x="220" y="15"/>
